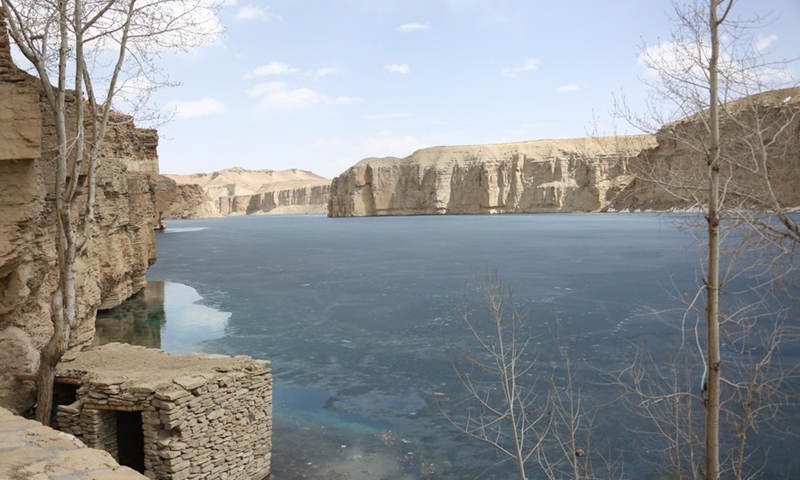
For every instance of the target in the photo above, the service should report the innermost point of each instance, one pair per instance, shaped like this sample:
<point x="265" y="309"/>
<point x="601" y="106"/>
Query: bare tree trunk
<point x="62" y="37"/>
<point x="714" y="361"/>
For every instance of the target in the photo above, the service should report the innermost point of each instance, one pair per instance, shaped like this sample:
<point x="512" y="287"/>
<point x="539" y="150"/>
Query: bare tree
<point x="85" y="52"/>
<point x="533" y="416"/>
<point x="722" y="151"/>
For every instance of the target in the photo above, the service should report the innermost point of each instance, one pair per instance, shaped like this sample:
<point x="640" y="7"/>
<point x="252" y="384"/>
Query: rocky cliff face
<point x="122" y="244"/>
<point x="539" y="176"/>
<point x="302" y="197"/>
<point x="673" y="174"/>
<point x="189" y="201"/>
<point x="238" y="191"/>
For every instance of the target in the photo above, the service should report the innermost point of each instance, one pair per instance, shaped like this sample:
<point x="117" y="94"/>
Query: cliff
<point x="122" y="243"/>
<point x="238" y="191"/>
<point x="673" y="174"/>
<point x="189" y="201"/>
<point x="298" y="197"/>
<point x="569" y="175"/>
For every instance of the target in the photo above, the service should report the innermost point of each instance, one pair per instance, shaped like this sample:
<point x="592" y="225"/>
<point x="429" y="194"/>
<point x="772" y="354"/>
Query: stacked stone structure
<point x="200" y="416"/>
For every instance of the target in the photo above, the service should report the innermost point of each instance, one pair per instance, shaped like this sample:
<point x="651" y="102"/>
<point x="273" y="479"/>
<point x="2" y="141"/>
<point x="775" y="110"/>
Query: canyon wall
<point x="571" y="175"/>
<point x="302" y="197"/>
<point x="122" y="243"/>
<point x="667" y="171"/>
<point x="188" y="201"/>
<point x="238" y="191"/>
<point x="674" y="173"/>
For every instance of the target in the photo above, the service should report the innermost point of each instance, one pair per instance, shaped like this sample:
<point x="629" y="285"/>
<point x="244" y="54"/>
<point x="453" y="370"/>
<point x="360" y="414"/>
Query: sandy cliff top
<point x="533" y="149"/>
<point x="246" y="181"/>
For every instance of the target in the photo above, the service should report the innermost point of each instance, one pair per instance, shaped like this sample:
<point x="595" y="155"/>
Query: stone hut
<point x="169" y="416"/>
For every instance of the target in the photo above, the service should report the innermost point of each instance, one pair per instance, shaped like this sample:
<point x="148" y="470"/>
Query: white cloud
<point x="397" y="68"/>
<point x="530" y="64"/>
<point x="196" y="108"/>
<point x="250" y="12"/>
<point x="686" y="63"/>
<point x="272" y="68"/>
<point x="569" y="88"/>
<point x="327" y="142"/>
<point x="413" y="27"/>
<point x="762" y="43"/>
<point x="382" y="116"/>
<point x="385" y="145"/>
<point x="325" y="71"/>
<point x="283" y="95"/>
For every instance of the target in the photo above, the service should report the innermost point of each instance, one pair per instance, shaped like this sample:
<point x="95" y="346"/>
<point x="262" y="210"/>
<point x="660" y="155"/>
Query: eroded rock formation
<point x="300" y="197"/>
<point x="189" y="201"/>
<point x="238" y="191"/>
<point x="674" y="173"/>
<point x="570" y="175"/>
<point x="122" y="244"/>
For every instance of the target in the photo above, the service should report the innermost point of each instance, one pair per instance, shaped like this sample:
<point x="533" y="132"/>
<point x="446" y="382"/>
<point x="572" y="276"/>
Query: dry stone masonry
<point x="172" y="417"/>
<point x="29" y="450"/>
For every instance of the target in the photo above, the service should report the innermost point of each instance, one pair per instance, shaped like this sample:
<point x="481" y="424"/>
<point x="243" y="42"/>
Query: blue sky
<point x="322" y="84"/>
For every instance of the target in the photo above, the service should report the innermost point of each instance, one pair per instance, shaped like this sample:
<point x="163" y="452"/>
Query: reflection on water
<point x="163" y="315"/>
<point x="137" y="321"/>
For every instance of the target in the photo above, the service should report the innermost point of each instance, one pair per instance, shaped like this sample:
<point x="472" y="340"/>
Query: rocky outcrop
<point x="301" y="197"/>
<point x="590" y="174"/>
<point x="190" y="201"/>
<point x="674" y="173"/>
<point x="122" y="243"/>
<point x="573" y="175"/>
<point x="238" y="191"/>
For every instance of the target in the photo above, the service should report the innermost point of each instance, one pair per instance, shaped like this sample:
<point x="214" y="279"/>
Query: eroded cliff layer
<point x="759" y="159"/>
<point x="299" y="197"/>
<point x="571" y="175"/>
<point x="238" y="191"/>
<point x="122" y="243"/>
<point x="188" y="201"/>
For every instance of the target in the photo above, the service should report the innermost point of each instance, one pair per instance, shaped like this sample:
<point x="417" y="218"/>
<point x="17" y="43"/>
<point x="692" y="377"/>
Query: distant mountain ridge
<point x="239" y="191"/>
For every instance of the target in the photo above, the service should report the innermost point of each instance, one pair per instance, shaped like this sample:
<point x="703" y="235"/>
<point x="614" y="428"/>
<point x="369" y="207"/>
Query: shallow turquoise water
<point x="359" y="316"/>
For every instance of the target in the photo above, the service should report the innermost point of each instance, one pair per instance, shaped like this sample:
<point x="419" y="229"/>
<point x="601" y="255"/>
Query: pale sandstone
<point x="675" y="164"/>
<point x="190" y="201"/>
<point x="122" y="243"/>
<point x="568" y="175"/>
<point x="238" y="191"/>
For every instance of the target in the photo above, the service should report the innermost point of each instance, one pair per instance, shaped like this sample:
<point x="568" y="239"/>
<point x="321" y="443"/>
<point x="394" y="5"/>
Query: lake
<point x="360" y="317"/>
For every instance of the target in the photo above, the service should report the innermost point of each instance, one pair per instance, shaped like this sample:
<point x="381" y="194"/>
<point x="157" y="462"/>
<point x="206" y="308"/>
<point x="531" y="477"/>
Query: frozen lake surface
<point x="358" y="316"/>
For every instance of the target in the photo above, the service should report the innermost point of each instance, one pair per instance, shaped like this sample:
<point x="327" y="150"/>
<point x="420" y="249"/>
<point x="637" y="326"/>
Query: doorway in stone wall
<point x="130" y="440"/>
<point x="63" y="394"/>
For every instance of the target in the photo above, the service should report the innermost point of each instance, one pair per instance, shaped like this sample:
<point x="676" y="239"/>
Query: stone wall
<point x="122" y="243"/>
<point x="29" y="450"/>
<point x="203" y="417"/>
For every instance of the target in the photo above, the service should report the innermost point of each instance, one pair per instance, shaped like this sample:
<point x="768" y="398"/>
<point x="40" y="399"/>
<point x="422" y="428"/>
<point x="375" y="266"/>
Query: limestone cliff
<point x="299" y="197"/>
<point x="569" y="175"/>
<point x="121" y="247"/>
<point x="238" y="191"/>
<point x="673" y="174"/>
<point x="190" y="201"/>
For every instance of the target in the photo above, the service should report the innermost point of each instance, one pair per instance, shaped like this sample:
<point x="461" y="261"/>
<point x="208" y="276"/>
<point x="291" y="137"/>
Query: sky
<point x="321" y="84"/>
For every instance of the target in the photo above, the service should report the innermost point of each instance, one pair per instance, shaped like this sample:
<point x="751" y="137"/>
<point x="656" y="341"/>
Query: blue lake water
<point x="359" y="317"/>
